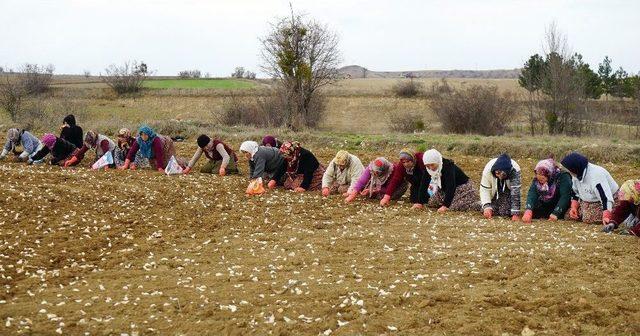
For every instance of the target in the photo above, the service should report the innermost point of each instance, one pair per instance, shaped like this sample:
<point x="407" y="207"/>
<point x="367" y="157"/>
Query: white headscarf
<point x="250" y="147"/>
<point x="430" y="157"/>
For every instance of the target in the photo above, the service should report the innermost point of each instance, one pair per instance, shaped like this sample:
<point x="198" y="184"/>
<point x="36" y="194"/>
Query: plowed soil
<point x="95" y="252"/>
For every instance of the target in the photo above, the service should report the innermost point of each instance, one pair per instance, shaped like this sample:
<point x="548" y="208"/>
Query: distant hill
<point x="356" y="71"/>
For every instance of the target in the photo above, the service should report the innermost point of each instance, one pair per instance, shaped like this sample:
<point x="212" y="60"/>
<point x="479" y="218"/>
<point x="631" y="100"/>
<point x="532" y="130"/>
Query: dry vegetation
<point x="141" y="253"/>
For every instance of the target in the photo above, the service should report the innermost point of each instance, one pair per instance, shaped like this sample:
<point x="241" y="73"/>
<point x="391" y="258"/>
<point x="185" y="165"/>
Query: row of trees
<point x="561" y="85"/>
<point x="240" y="72"/>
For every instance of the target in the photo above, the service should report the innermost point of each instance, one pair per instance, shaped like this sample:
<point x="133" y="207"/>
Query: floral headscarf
<point x="91" y="139"/>
<point x="630" y="191"/>
<point x="291" y="153"/>
<point x="383" y="169"/>
<point x="550" y="169"/>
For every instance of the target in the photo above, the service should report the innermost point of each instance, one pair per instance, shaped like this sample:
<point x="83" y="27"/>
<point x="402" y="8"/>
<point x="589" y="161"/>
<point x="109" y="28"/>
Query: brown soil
<point x="141" y="253"/>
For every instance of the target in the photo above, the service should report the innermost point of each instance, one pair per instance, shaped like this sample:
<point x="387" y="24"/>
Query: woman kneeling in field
<point x="550" y="193"/>
<point x="500" y="188"/>
<point x="265" y="163"/>
<point x="375" y="179"/>
<point x="15" y="138"/>
<point x="59" y="148"/>
<point x="410" y="169"/>
<point x="594" y="190"/>
<point x="125" y="141"/>
<point x="158" y="149"/>
<point x="446" y="186"/>
<point x="271" y="141"/>
<point x="304" y="172"/>
<point x="627" y="210"/>
<point x="222" y="159"/>
<point x="342" y="174"/>
<point x="70" y="131"/>
<point x="92" y="140"/>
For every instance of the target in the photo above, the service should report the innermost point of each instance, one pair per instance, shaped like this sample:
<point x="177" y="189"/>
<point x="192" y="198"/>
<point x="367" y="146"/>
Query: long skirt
<point x="501" y="203"/>
<point x="293" y="181"/>
<point x="213" y="167"/>
<point x="336" y="188"/>
<point x="588" y="212"/>
<point x="119" y="155"/>
<point x="465" y="198"/>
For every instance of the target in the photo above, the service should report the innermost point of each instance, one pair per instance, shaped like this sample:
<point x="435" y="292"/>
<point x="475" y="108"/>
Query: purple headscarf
<point x="49" y="140"/>
<point x="550" y="169"/>
<point x="269" y="140"/>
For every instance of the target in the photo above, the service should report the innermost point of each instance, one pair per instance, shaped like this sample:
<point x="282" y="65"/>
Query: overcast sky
<point x="216" y="36"/>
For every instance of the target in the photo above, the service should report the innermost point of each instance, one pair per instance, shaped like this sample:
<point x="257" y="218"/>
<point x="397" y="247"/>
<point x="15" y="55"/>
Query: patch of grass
<point x="199" y="84"/>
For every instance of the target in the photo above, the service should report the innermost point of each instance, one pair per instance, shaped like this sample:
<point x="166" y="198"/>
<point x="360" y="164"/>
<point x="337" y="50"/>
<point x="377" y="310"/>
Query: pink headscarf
<point x="49" y="140"/>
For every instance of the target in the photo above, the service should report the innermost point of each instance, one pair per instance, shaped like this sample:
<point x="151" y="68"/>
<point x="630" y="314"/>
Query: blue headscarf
<point x="145" y="146"/>
<point x="575" y="163"/>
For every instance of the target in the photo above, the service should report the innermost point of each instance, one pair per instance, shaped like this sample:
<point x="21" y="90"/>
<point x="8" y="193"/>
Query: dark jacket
<point x="62" y="150"/>
<point x="561" y="199"/>
<point x="415" y="179"/>
<point x="307" y="165"/>
<point x="452" y="177"/>
<point x="72" y="133"/>
<point x="267" y="160"/>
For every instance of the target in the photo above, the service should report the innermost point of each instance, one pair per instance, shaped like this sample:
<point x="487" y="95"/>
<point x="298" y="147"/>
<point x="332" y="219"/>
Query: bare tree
<point x="559" y="83"/>
<point x="303" y="56"/>
<point x="125" y="78"/>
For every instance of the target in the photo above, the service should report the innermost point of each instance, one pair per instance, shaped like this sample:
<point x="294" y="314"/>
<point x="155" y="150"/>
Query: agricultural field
<point x="111" y="252"/>
<point x="200" y="84"/>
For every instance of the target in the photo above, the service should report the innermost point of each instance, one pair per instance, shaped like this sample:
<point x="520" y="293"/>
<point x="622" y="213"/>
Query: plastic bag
<point x="105" y="160"/>
<point x="173" y="167"/>
<point x="255" y="187"/>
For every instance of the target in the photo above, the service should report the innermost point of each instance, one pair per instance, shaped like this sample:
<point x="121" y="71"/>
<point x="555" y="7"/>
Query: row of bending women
<point x="580" y="190"/>
<point x="574" y="189"/>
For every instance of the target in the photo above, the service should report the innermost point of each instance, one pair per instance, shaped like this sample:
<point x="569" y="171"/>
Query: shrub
<point x="407" y="88"/>
<point x="12" y="94"/>
<point x="406" y="122"/>
<point x="190" y="74"/>
<point x="473" y="109"/>
<point x="125" y="78"/>
<point x="36" y="79"/>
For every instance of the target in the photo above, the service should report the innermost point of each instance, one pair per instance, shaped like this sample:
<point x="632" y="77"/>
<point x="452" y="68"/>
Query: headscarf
<point x="91" y="138"/>
<point x="13" y="134"/>
<point x="124" y="133"/>
<point x="69" y="120"/>
<point x="576" y="164"/>
<point x="630" y="191"/>
<point x="432" y="156"/>
<point x="49" y="140"/>
<point x="407" y="155"/>
<point x="384" y="168"/>
<point x="549" y="169"/>
<point x="250" y="147"/>
<point x="145" y="146"/>
<point x="269" y="140"/>
<point x="503" y="163"/>
<point x="290" y="150"/>
<point x="203" y="140"/>
<point x="342" y="158"/>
